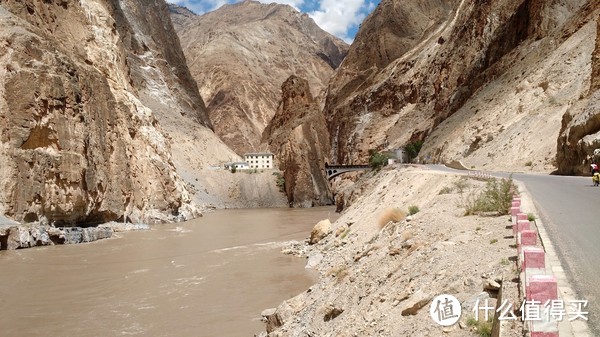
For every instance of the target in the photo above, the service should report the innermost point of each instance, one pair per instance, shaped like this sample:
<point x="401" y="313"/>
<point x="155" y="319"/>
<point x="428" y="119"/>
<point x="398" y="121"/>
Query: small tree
<point x="377" y="160"/>
<point x="233" y="169"/>
<point x="413" y="149"/>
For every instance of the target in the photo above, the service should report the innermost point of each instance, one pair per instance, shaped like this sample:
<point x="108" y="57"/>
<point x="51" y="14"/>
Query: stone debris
<point x="416" y="301"/>
<point x="272" y="319"/>
<point x="32" y="235"/>
<point x="321" y="230"/>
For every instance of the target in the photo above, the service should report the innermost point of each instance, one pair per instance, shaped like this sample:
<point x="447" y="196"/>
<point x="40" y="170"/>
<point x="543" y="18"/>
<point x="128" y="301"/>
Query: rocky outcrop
<point x="241" y="53"/>
<point x="35" y="235"/>
<point x="579" y="136"/>
<point x="87" y="89"/>
<point x="18" y="237"/>
<point x="471" y="79"/>
<point x="298" y="137"/>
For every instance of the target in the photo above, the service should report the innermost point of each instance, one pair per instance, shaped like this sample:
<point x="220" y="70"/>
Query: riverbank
<point x="216" y="189"/>
<point x="17" y="236"/>
<point x="380" y="271"/>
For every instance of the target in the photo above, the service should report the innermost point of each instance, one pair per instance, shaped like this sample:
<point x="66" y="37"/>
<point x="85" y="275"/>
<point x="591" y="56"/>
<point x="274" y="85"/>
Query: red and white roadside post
<point x="514" y="210"/>
<point x="542" y="290"/>
<point x="526" y="238"/>
<point x="520" y="217"/>
<point x="533" y="262"/>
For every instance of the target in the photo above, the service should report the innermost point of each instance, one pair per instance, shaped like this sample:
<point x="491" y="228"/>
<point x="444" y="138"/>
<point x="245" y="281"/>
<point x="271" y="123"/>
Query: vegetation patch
<point x="461" y="185"/>
<point x="496" y="198"/>
<point x="446" y="190"/>
<point x="280" y="181"/>
<point x="391" y="215"/>
<point x="412" y="210"/>
<point x="413" y="149"/>
<point x="377" y="160"/>
<point x="483" y="328"/>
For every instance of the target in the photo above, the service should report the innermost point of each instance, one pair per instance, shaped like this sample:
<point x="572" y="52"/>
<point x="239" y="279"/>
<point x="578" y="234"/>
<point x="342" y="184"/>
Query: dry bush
<point x="391" y="214"/>
<point x="407" y="235"/>
<point x="496" y="197"/>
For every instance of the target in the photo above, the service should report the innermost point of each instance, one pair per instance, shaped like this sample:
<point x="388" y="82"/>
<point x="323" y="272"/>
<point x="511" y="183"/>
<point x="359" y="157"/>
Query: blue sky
<point x="339" y="17"/>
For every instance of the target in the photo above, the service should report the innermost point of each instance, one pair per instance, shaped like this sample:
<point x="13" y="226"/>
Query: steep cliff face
<point x="580" y="133"/>
<point x="472" y="79"/>
<point x="298" y="137"/>
<point x="240" y="54"/>
<point x="84" y="86"/>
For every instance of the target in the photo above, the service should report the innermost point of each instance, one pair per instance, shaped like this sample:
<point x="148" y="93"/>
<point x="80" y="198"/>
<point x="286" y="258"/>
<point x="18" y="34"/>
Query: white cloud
<point x="338" y="17"/>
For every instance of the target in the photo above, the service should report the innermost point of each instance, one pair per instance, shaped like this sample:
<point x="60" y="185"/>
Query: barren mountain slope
<point x="241" y="54"/>
<point x="86" y="88"/>
<point x="486" y="83"/>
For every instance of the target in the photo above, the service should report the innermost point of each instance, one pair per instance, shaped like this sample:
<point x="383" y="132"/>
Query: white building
<point x="259" y="160"/>
<point x="237" y="165"/>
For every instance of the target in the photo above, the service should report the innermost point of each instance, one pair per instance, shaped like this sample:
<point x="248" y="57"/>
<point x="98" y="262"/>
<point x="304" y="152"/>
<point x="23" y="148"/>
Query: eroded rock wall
<point x="79" y="143"/>
<point x="298" y="137"/>
<point x="472" y="79"/>
<point x="579" y="137"/>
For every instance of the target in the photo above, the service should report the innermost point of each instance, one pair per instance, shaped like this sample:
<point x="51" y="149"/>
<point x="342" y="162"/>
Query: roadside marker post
<point x="543" y="289"/>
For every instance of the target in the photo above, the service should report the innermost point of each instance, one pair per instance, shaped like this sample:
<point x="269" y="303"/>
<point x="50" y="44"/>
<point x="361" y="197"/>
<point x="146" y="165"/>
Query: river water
<point x="208" y="277"/>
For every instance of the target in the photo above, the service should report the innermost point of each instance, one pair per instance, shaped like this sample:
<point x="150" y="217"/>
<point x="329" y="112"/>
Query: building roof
<point x="259" y="154"/>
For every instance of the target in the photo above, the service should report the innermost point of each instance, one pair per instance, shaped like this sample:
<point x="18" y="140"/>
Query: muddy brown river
<point x="208" y="277"/>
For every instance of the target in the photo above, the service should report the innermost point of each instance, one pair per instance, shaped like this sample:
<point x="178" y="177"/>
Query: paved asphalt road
<point x="569" y="208"/>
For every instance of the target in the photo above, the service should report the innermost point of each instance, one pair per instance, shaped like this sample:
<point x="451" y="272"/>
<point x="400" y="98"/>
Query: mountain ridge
<point x="242" y="53"/>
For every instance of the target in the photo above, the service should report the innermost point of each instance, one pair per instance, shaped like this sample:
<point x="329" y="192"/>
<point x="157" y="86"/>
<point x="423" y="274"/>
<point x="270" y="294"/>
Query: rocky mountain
<point x="297" y="135"/>
<point x="241" y="54"/>
<point x="498" y="85"/>
<point x="93" y="94"/>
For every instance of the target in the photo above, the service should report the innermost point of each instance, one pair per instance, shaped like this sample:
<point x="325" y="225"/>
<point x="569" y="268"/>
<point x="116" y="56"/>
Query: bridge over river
<point x="333" y="171"/>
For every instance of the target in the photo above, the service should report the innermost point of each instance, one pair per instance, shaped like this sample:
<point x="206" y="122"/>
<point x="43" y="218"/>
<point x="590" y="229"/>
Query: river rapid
<point x="208" y="277"/>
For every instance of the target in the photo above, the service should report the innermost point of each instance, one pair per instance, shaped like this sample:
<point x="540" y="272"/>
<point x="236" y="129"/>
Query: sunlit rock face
<point x="88" y="91"/>
<point x="497" y="84"/>
<point x="240" y="55"/>
<point x="298" y="137"/>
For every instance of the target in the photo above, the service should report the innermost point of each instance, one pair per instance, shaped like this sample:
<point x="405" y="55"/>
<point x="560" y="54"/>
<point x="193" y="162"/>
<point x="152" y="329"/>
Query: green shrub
<point x="413" y="149"/>
<point x="377" y="160"/>
<point x="530" y="217"/>
<point x="483" y="328"/>
<point x="446" y="190"/>
<point x="496" y="197"/>
<point x="233" y="169"/>
<point x="492" y="241"/>
<point x="529" y="163"/>
<point x="280" y="182"/>
<point x="461" y="185"/>
<point x="412" y="210"/>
